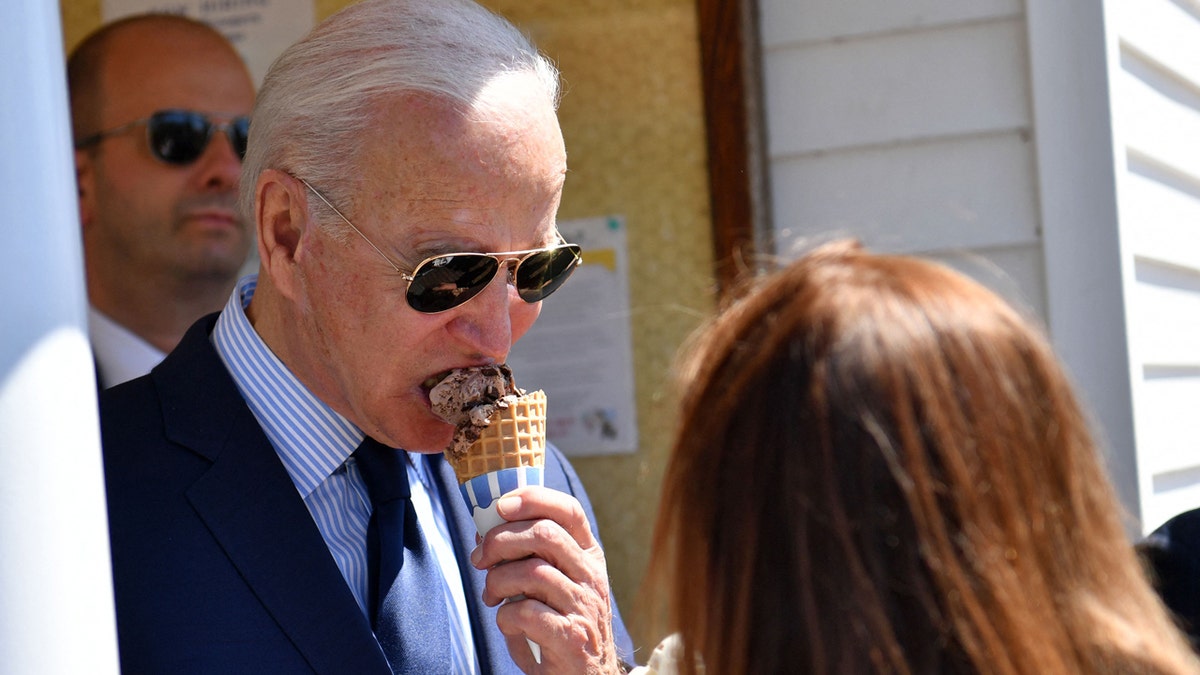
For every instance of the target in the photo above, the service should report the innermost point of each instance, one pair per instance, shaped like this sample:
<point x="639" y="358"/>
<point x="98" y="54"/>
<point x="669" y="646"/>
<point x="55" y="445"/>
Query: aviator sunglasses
<point x="180" y="136"/>
<point x="443" y="282"/>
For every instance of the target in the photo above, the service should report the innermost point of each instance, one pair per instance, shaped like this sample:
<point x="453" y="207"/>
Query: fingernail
<point x="476" y="555"/>
<point x="508" y="505"/>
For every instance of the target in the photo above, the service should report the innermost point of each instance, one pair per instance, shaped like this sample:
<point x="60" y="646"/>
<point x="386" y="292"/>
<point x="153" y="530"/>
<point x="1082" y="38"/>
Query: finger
<point x="536" y="502"/>
<point x="575" y="643"/>
<point x="534" y="578"/>
<point x="544" y="540"/>
<point x="531" y="578"/>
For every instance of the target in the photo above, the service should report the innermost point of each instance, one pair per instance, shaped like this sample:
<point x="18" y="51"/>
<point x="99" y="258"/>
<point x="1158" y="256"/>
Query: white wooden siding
<point x="1158" y="114"/>
<point x="1164" y="29"/>
<point x="1051" y="150"/>
<point x="788" y="22"/>
<point x="1167" y="408"/>
<point x="916" y="196"/>
<point x="897" y="87"/>
<point x="1164" y="318"/>
<point x="1166" y="207"/>
<point x="906" y="125"/>
<point x="1156" y="104"/>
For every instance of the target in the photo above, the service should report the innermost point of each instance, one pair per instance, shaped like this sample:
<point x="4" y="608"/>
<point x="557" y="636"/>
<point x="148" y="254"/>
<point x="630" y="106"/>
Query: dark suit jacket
<point x="1172" y="553"/>
<point x="217" y="565"/>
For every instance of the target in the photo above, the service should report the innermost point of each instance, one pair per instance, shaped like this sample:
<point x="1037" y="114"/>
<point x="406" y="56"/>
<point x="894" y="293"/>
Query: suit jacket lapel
<point x="251" y="506"/>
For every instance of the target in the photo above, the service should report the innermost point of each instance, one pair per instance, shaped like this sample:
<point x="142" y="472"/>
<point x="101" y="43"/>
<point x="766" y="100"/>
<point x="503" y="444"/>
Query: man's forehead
<point x="139" y="45"/>
<point x="408" y="127"/>
<point x="145" y="69"/>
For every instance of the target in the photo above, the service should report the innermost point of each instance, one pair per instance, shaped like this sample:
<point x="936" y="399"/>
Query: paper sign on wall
<point x="580" y="351"/>
<point x="259" y="29"/>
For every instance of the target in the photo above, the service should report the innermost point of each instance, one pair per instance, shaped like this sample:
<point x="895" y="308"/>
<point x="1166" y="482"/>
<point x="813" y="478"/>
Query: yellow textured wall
<point x="633" y="120"/>
<point x="79" y="17"/>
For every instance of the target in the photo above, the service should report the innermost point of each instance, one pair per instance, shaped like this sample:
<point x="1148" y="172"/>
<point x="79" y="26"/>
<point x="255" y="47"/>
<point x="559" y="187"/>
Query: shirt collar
<point x="121" y="353"/>
<point x="310" y="438"/>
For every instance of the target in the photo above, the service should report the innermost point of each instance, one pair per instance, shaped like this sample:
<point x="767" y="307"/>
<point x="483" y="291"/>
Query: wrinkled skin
<point x="546" y="553"/>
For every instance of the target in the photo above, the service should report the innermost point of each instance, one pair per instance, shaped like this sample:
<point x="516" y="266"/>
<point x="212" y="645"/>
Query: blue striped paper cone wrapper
<point x="509" y="454"/>
<point x="482" y="492"/>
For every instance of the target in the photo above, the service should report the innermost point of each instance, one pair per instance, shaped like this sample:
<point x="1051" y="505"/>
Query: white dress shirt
<point x="120" y="354"/>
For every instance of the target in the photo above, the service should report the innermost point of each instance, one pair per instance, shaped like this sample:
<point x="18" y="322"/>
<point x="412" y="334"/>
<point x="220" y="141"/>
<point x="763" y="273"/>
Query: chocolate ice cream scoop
<point x="467" y="398"/>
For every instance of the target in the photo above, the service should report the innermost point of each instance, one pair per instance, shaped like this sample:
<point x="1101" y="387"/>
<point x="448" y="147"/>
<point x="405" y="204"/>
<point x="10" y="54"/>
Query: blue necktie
<point x="405" y="589"/>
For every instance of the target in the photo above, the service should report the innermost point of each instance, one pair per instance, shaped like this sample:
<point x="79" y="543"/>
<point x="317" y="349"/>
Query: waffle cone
<point x="515" y="436"/>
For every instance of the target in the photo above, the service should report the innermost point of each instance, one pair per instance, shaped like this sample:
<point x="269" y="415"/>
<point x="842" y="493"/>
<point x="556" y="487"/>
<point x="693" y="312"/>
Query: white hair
<point x="320" y="98"/>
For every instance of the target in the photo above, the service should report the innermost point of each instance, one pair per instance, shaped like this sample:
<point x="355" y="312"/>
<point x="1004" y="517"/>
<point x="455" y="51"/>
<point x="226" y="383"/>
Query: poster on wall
<point x="580" y="351"/>
<point x="259" y="29"/>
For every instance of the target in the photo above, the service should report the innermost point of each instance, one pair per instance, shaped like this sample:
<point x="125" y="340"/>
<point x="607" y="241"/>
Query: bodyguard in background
<point x="159" y="107"/>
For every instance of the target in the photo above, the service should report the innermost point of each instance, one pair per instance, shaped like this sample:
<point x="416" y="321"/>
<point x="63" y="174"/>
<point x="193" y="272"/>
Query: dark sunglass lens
<point x="541" y="274"/>
<point x="449" y="281"/>
<point x="239" y="135"/>
<point x="178" y="137"/>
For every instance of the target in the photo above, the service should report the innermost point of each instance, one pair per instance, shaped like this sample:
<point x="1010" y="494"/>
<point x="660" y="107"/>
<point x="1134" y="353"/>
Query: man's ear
<point x="281" y="212"/>
<point x="85" y="184"/>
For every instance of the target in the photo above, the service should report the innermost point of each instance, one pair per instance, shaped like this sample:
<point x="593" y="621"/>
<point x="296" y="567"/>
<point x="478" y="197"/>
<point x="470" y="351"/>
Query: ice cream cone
<point x="509" y="453"/>
<point x="515" y="437"/>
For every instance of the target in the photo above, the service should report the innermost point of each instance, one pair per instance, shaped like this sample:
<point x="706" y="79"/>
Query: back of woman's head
<point x="881" y="467"/>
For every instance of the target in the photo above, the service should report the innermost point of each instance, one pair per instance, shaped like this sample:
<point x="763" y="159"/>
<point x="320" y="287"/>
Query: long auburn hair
<point x="882" y="468"/>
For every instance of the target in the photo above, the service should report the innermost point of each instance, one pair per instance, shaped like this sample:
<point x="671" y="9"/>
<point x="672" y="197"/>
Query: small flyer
<point x="259" y="29"/>
<point x="580" y="351"/>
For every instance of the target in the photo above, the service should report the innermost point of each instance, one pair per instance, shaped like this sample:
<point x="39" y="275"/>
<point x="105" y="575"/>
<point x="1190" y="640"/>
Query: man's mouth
<point x="213" y="219"/>
<point x="433" y="380"/>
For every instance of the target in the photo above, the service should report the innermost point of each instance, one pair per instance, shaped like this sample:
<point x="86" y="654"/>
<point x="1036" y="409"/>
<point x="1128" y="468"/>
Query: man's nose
<point x="220" y="165"/>
<point x="484" y="323"/>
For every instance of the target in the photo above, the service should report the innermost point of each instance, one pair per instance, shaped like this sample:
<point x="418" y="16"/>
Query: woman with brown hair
<point x="881" y="467"/>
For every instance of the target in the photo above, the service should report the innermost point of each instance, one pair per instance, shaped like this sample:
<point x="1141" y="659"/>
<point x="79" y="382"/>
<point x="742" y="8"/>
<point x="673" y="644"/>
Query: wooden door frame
<point x="737" y="179"/>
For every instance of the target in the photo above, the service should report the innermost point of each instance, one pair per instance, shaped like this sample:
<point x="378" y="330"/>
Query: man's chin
<point x="428" y="439"/>
<point x="221" y="262"/>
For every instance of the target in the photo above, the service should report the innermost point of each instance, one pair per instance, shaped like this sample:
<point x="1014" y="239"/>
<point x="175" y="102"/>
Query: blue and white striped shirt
<point x="315" y="443"/>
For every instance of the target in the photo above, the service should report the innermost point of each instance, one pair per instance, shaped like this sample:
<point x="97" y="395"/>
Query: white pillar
<point x="1087" y="273"/>
<point x="56" y="606"/>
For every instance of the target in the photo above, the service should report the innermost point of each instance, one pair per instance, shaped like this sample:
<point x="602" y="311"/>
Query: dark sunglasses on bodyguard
<point x="179" y="137"/>
<point x="443" y="282"/>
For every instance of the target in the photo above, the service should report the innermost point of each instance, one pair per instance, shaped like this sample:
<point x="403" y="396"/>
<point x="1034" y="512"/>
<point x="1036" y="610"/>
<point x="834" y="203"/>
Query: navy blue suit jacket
<point x="1172" y="553"/>
<point x="218" y="566"/>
